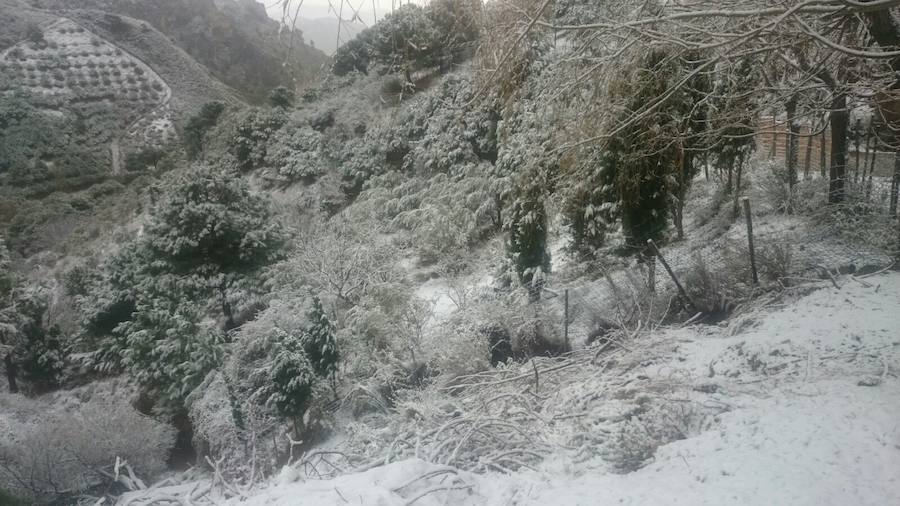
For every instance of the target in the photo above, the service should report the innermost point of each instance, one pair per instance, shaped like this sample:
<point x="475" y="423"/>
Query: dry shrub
<point x="460" y="349"/>
<point x="715" y="292"/>
<point x="713" y="211"/>
<point x="505" y="56"/>
<point x="860" y="223"/>
<point x="772" y="190"/>
<point x="770" y="187"/>
<point x="499" y="328"/>
<point x="810" y="195"/>
<point x="537" y="336"/>
<point x="641" y="435"/>
<point x="775" y="261"/>
<point x="215" y="418"/>
<point x="244" y="438"/>
<point x="635" y="305"/>
<point x="62" y="453"/>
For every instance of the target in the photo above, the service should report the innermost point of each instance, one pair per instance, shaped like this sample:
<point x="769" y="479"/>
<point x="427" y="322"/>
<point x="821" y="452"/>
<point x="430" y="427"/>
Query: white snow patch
<point x="828" y="444"/>
<point x="437" y="292"/>
<point x="801" y="428"/>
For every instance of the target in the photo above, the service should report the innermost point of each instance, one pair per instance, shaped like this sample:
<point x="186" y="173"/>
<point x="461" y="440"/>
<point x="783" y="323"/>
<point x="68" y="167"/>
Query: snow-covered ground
<point x="808" y="402"/>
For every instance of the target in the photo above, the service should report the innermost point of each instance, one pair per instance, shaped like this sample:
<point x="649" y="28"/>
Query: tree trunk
<point x="11" y="372"/>
<point x="895" y="184"/>
<point x="790" y="152"/>
<point x="687" y="161"/>
<point x="856" y="139"/>
<point x="897" y="248"/>
<point x="227" y="310"/>
<point x="885" y="31"/>
<point x="774" y="139"/>
<point x="230" y="324"/>
<point x="729" y="185"/>
<point x="706" y="165"/>
<point x="679" y="218"/>
<point x="807" y="163"/>
<point x="736" y="209"/>
<point x="840" y="120"/>
<point x="823" y="155"/>
<point x="871" y="144"/>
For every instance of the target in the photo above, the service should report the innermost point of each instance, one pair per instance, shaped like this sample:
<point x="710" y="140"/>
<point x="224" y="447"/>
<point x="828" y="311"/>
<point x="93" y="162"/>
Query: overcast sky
<point x="313" y="9"/>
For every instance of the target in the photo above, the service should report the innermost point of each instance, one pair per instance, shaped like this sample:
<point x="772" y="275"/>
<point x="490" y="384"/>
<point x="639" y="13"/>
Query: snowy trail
<point x="801" y="429"/>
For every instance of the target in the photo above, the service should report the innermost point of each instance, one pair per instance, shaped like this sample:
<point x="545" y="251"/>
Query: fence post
<point x="651" y="274"/>
<point x="746" y="201"/>
<point x="566" y="320"/>
<point x="665" y="264"/>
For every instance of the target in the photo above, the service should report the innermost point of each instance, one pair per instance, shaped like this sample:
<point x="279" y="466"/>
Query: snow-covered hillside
<point x="796" y="402"/>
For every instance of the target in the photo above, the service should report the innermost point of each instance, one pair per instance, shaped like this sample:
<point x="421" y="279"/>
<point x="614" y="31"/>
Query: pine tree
<point x="527" y="244"/>
<point x="168" y="349"/>
<point x="6" y="279"/>
<point x="652" y="154"/>
<point x="209" y="227"/>
<point x="207" y="239"/>
<point x="319" y="341"/>
<point x="26" y="346"/>
<point x="281" y="97"/>
<point x="292" y="377"/>
<point x="591" y="207"/>
<point x="40" y="352"/>
<point x="197" y="126"/>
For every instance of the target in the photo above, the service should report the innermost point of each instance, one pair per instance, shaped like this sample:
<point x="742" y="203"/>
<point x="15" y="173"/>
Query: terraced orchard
<point x="65" y="69"/>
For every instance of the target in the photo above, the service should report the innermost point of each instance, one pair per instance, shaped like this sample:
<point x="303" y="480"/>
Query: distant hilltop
<point x="258" y="56"/>
<point x="323" y="34"/>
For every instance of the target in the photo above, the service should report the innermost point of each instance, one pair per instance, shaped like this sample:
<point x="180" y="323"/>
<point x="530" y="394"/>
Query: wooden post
<point x="11" y="373"/>
<point x="807" y="163"/>
<point x="895" y="185"/>
<point x="746" y="201"/>
<point x="651" y="274"/>
<point x="665" y="264"/>
<point x="566" y="320"/>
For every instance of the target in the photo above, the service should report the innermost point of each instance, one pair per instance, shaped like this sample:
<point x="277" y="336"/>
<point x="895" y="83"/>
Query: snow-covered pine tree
<point x="207" y="239"/>
<point x="649" y="150"/>
<point x="319" y="341"/>
<point x="41" y="353"/>
<point x="591" y="205"/>
<point x="281" y="97"/>
<point x="26" y="346"/>
<point x="527" y="225"/>
<point x="292" y="377"/>
<point x="210" y="226"/>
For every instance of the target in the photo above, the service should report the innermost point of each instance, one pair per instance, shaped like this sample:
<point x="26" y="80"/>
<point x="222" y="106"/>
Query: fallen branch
<point x="437" y="489"/>
<point x="830" y="276"/>
<point x="882" y="271"/>
<point x="429" y="474"/>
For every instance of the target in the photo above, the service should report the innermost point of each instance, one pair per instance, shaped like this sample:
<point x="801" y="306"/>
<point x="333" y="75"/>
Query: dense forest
<point x="486" y="253"/>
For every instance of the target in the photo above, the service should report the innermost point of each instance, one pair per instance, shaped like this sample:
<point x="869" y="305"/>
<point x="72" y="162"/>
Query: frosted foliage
<point x="63" y="451"/>
<point x="445" y="214"/>
<point x="294" y="154"/>
<point x="390" y="318"/>
<point x="339" y="258"/>
<point x="638" y="438"/>
<point x="216" y="433"/>
<point x="250" y="359"/>
<point x="460" y="349"/>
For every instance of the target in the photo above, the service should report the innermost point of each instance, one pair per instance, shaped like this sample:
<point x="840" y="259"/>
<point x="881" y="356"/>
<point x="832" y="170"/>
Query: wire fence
<point x="706" y="277"/>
